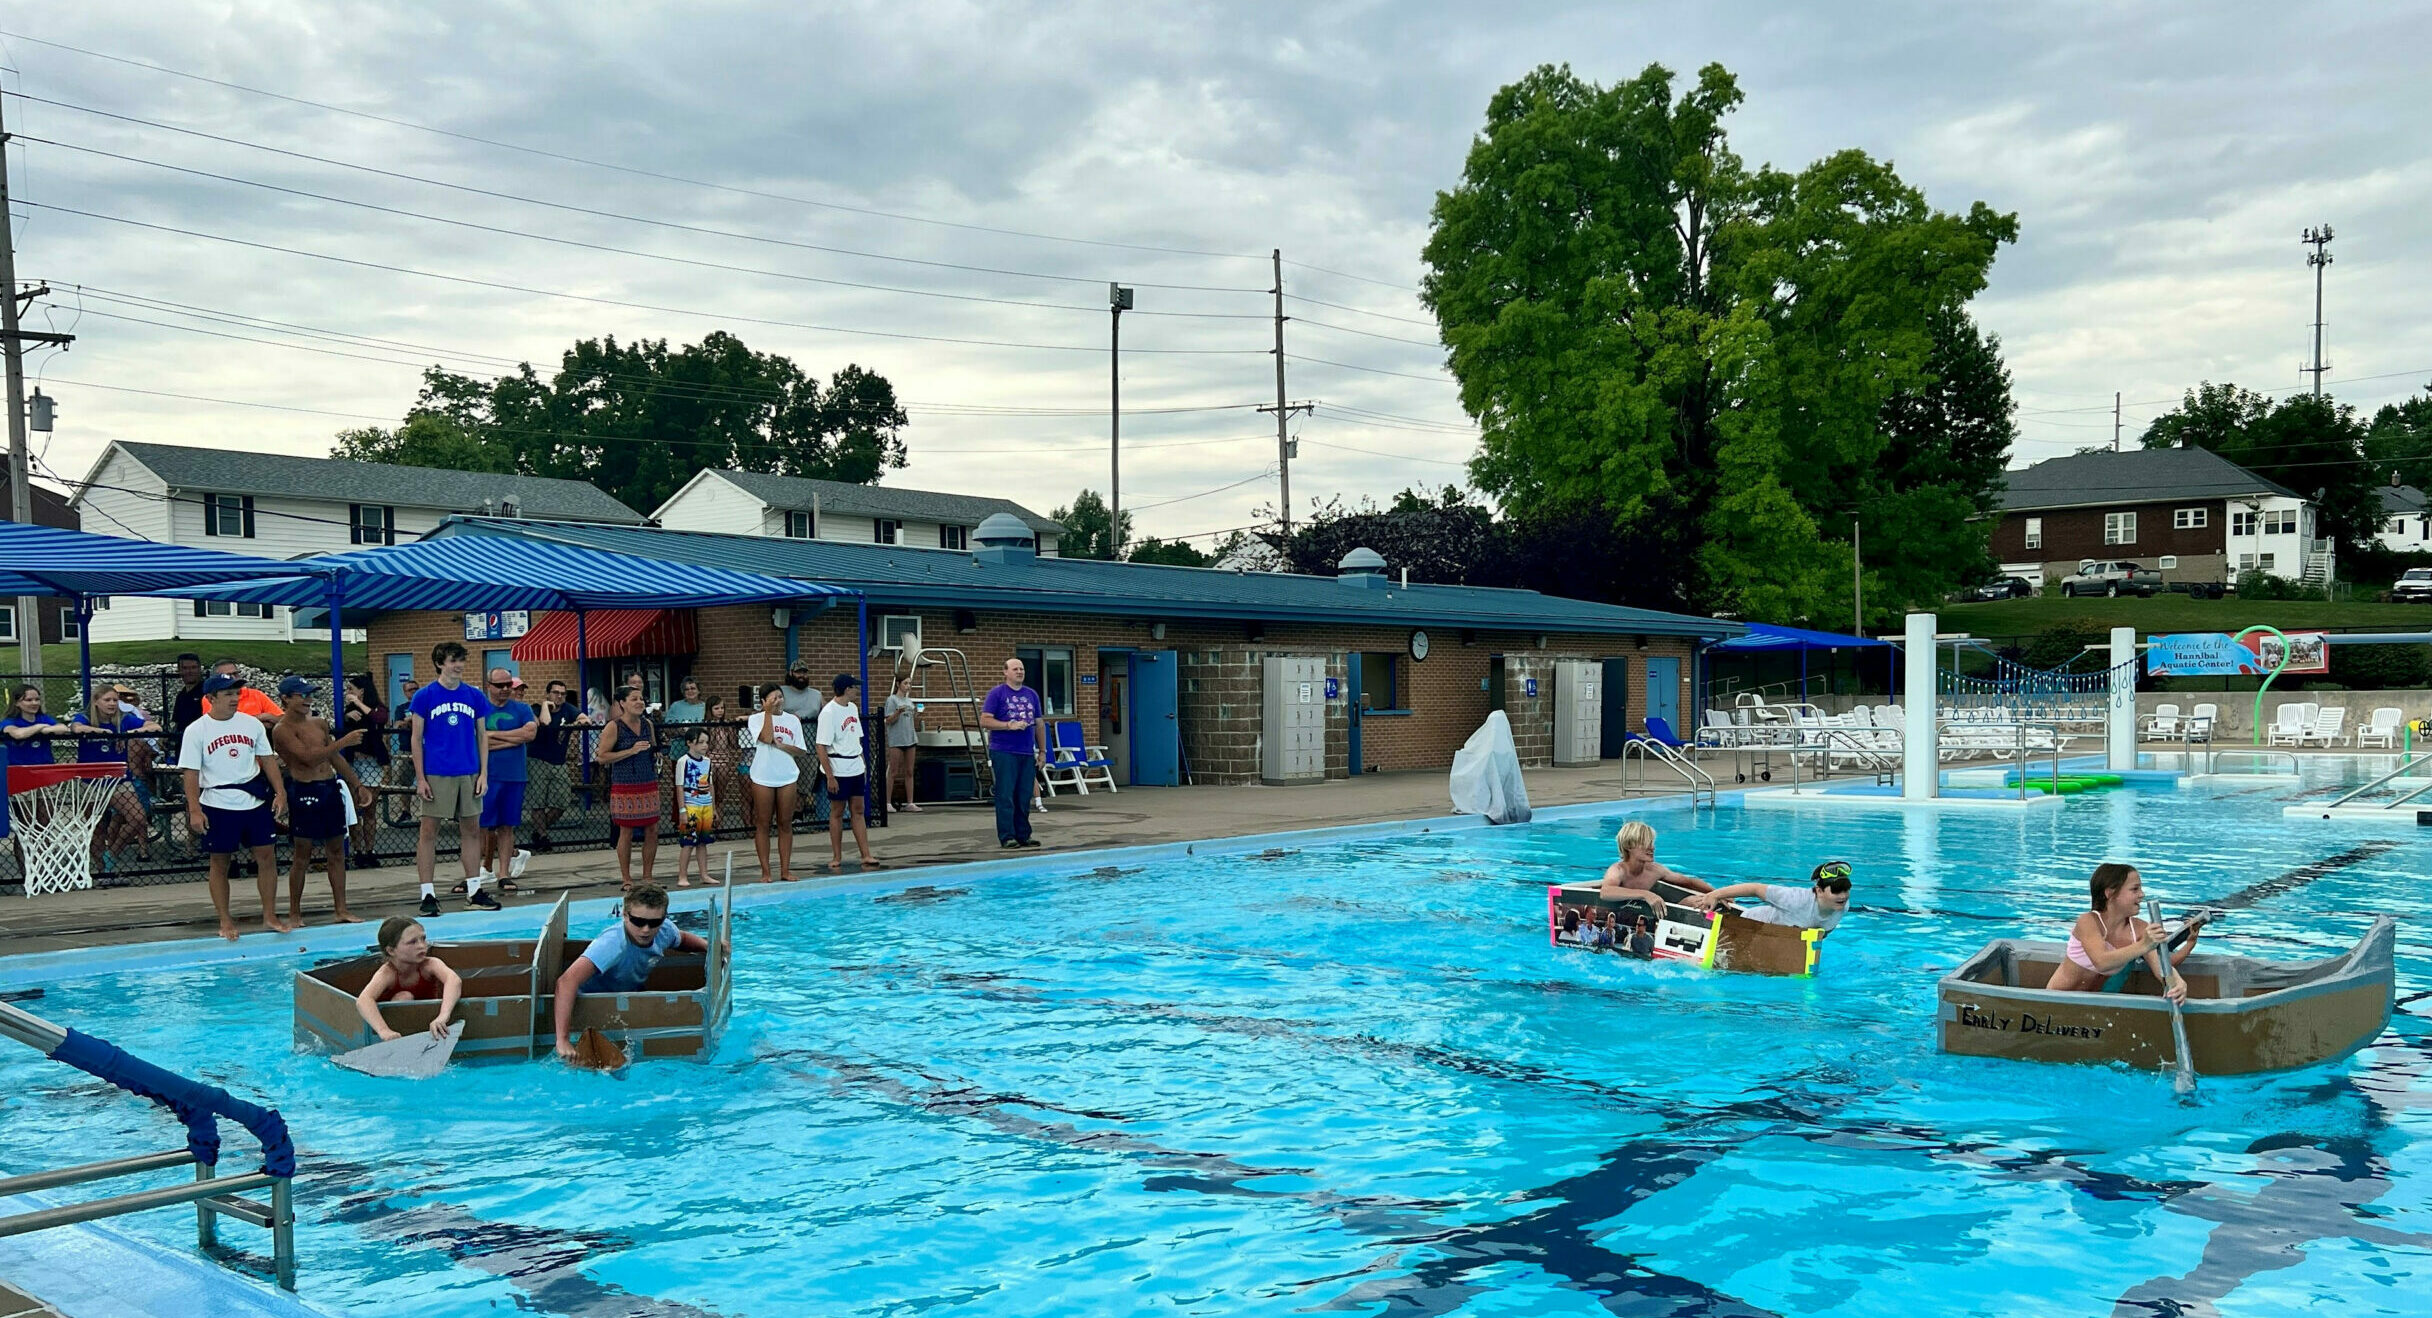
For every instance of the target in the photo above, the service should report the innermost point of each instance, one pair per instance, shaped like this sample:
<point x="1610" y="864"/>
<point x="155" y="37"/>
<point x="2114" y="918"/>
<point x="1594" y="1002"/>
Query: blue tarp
<point x="50" y="560"/>
<point x="493" y="572"/>
<point x="1766" y="636"/>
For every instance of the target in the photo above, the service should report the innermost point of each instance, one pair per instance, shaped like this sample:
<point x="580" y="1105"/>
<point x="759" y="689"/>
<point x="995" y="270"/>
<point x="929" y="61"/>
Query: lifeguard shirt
<point x="451" y="728"/>
<point x="227" y="753"/>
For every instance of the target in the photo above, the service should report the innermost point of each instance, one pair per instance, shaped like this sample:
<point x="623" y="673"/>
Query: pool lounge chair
<point x="2329" y="727"/>
<point x="2289" y="724"/>
<point x="1071" y="763"/>
<point x="1659" y="731"/>
<point x="2200" y="720"/>
<point x="2162" y="724"/>
<point x="2381" y="729"/>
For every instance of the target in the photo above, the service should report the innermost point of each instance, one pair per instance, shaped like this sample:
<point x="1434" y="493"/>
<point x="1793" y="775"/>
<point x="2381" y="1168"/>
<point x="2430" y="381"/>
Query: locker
<point x="1292" y="740"/>
<point x="1578" y="712"/>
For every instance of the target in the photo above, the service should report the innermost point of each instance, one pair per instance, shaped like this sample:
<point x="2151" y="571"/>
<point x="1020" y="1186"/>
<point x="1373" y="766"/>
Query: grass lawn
<point x="307" y="657"/>
<point x="2175" y="613"/>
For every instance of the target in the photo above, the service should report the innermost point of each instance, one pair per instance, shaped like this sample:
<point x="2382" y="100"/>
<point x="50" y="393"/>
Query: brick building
<point x="2189" y="512"/>
<point x="1165" y="666"/>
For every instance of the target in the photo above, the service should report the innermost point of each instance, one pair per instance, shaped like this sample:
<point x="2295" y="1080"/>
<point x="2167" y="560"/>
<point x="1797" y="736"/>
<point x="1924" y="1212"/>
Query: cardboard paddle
<point x="415" y="1056"/>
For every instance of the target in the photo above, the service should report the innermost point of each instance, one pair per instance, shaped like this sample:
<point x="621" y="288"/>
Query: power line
<point x="1317" y="269"/>
<point x="1370" y="370"/>
<point x="1338" y="306"/>
<point x="619" y="302"/>
<point x="1372" y="334"/>
<point x="1374" y="453"/>
<point x="634" y="170"/>
<point x="1258" y="475"/>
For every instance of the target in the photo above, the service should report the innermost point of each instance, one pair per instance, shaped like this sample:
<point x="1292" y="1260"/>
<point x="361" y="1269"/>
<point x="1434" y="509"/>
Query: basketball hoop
<point x="53" y="809"/>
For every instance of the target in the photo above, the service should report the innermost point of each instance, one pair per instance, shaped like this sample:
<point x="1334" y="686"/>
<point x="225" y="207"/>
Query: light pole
<point x="1118" y="301"/>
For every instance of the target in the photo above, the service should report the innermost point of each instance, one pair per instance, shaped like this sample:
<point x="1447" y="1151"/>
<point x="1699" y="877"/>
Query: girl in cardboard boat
<point x="408" y="973"/>
<point x="2099" y="998"/>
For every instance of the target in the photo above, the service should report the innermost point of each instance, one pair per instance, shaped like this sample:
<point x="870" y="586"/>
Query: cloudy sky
<point x="941" y="191"/>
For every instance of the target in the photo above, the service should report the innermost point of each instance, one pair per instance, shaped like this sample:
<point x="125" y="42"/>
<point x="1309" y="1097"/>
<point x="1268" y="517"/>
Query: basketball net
<point x="54" y="826"/>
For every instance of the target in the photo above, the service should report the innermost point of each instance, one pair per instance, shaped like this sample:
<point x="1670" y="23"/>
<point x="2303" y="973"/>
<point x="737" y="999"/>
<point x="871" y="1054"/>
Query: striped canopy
<point x="50" y="560"/>
<point x="494" y="572"/>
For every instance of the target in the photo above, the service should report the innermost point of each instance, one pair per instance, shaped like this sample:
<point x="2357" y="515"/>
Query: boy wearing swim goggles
<point x="1820" y="905"/>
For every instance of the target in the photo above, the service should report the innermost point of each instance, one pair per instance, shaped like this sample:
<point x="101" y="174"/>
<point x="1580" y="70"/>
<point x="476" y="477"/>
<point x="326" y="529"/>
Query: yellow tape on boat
<point x="1714" y="939"/>
<point x="1809" y="937"/>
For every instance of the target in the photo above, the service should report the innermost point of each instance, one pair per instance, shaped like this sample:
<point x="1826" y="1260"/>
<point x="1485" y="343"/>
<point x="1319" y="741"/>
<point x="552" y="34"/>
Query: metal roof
<point x="948" y="579"/>
<point x="2142" y="475"/>
<point x="49" y="560"/>
<point x="338" y="480"/>
<point x="795" y="493"/>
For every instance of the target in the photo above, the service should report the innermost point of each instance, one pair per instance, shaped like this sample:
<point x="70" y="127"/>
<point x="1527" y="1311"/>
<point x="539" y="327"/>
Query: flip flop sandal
<point x="508" y="886"/>
<point x="459" y="887"/>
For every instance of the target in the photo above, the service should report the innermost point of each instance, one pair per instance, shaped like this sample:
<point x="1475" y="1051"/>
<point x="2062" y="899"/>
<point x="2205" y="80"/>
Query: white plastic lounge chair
<point x="2382" y="728"/>
<point x="2289" y="724"/>
<point x="2162" y="724"/>
<point x="2198" y="726"/>
<point x="2328" y="729"/>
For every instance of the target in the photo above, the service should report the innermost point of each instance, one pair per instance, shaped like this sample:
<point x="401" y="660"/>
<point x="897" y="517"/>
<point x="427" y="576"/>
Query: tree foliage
<point x="2312" y="445"/>
<point x="1714" y="364"/>
<point x="1089" y="528"/>
<point x="639" y="419"/>
<point x="2399" y="441"/>
<point x="1171" y="553"/>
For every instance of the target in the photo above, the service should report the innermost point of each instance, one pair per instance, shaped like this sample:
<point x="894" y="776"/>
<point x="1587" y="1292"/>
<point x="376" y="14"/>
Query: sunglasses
<point x="646" y="921"/>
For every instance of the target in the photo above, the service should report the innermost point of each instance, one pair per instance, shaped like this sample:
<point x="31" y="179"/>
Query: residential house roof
<point x="2401" y="501"/>
<point x="2144" y="475"/>
<point x="1029" y="583"/>
<point x="796" y="493"/>
<point x="339" y="480"/>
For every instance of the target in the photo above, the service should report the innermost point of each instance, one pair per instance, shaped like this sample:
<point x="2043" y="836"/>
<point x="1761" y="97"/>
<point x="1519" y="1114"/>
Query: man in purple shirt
<point x="1017" y="745"/>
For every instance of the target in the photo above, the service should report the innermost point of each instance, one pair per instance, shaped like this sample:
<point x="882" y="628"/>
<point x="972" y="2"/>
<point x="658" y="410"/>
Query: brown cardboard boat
<point x="1722" y="939"/>
<point x="509" y="998"/>
<point x="2243" y="1015"/>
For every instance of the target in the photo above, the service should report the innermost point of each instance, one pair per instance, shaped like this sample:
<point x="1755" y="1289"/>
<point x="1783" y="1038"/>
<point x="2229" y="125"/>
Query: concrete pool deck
<point x="938" y="835"/>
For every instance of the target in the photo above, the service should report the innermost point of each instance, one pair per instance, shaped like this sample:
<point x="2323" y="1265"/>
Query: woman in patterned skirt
<point x="629" y="752"/>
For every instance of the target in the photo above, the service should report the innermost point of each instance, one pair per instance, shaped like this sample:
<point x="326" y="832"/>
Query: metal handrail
<point x="198" y="1106"/>
<point x="2404" y="765"/>
<point x="1701" y="784"/>
<point x="2212" y="758"/>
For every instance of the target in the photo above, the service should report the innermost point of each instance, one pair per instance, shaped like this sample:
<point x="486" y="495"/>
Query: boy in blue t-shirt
<point x="449" y="774"/>
<point x="621" y="959"/>
<point x="511" y="727"/>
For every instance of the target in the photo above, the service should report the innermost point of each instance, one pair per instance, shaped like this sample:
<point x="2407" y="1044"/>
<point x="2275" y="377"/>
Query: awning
<point x="610" y="634"/>
<point x="51" y="560"/>
<point x="1766" y="636"/>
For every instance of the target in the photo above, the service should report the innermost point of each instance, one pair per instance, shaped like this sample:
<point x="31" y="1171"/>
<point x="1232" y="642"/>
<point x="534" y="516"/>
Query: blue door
<point x="400" y="667"/>
<point x="1663" y="692"/>
<point x="1156" y="725"/>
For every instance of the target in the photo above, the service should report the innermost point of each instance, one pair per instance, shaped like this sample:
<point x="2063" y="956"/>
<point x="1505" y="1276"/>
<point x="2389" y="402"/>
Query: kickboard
<point x="415" y="1056"/>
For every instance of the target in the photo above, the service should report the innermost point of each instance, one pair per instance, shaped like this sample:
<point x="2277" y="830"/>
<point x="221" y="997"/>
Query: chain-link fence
<point x="144" y="838"/>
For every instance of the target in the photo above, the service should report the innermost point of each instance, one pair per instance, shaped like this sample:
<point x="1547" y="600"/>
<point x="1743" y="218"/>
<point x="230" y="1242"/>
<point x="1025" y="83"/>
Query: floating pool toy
<point x="2242" y="1015"/>
<point x="1723" y="940"/>
<point x="2070" y="784"/>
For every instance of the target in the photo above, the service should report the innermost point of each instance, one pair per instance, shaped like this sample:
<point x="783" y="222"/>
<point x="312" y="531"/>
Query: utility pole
<point x="2320" y="259"/>
<point x="1857" y="580"/>
<point x="2115" y="420"/>
<point x="1118" y="301"/>
<point x="12" y="347"/>
<point x="1283" y="410"/>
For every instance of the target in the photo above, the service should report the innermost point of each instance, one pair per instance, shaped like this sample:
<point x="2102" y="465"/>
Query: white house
<point x="275" y="506"/>
<point x="2191" y="513"/>
<point x="796" y="507"/>
<point x="2406" y="523"/>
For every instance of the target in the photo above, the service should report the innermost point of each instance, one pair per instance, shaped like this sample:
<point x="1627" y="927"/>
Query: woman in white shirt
<point x="772" y="736"/>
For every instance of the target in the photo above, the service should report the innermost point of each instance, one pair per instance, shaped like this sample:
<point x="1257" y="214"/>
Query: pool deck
<point x="938" y="835"/>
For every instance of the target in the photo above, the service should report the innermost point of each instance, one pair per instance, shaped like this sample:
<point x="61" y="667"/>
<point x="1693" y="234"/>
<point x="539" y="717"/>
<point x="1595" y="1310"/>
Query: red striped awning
<point x="610" y="634"/>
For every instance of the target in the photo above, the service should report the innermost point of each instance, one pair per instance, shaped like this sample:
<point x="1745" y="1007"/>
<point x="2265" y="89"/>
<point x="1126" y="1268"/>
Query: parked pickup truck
<point x="2117" y="578"/>
<point x="2412" y="587"/>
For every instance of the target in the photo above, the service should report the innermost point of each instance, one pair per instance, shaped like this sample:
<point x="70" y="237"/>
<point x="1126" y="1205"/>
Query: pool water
<point x="1354" y="1078"/>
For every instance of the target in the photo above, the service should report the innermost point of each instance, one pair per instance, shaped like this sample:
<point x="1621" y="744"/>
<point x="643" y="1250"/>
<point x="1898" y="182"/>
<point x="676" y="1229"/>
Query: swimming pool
<point x="1352" y="1076"/>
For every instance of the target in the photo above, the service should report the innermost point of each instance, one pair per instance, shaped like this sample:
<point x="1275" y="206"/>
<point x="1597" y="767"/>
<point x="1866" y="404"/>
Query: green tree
<point x="2399" y="441"/>
<point x="2311" y="445"/>
<point x="1649" y="332"/>
<point x="1089" y="527"/>
<point x="1444" y="538"/>
<point x="640" y="419"/>
<point x="1171" y="553"/>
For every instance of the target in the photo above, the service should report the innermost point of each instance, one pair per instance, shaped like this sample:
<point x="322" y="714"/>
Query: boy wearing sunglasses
<point x="1820" y="905"/>
<point x="621" y="959"/>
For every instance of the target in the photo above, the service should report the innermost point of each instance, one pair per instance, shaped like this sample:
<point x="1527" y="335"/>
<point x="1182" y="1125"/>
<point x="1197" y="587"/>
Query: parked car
<point x="2103" y="579"/>
<point x="2000" y="588"/>
<point x="2414" y="586"/>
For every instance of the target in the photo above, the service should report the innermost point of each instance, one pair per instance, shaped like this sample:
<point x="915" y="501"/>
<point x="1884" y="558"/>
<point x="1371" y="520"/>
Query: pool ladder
<point x="2395" y="802"/>
<point x="1701" y="784"/>
<point x="200" y="1107"/>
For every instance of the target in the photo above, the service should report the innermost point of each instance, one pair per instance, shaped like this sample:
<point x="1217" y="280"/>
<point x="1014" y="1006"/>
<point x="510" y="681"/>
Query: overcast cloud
<point x="2162" y="159"/>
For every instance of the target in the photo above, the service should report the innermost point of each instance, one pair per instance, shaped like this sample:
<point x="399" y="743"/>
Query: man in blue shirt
<point x="449" y="772"/>
<point x="511" y="727"/>
<point x="621" y="959"/>
<point x="1017" y="744"/>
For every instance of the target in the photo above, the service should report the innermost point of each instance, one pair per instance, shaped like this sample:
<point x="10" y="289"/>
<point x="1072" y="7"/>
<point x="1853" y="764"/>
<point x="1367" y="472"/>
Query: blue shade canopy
<point x="1766" y="636"/>
<point x="494" y="572"/>
<point x="50" y="560"/>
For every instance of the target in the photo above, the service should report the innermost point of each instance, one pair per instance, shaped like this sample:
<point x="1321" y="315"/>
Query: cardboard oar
<point x="597" y="1052"/>
<point x="415" y="1056"/>
<point x="2184" y="1082"/>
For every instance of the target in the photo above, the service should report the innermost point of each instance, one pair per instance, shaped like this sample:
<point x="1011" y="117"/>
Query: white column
<point x="2119" y="729"/>
<point x="1920" y="745"/>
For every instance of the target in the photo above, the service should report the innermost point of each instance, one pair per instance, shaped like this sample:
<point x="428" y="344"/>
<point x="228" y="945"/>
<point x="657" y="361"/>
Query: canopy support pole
<point x="84" y="644"/>
<point x="582" y="661"/>
<point x="337" y="663"/>
<point x="1920" y="757"/>
<point x="861" y="636"/>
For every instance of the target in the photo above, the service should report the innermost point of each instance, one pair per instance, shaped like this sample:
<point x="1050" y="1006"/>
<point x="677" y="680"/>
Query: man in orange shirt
<point x="248" y="700"/>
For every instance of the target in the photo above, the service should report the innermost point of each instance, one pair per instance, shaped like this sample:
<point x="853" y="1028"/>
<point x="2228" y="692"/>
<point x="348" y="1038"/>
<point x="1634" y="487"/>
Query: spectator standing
<point x="449" y="773"/>
<point x="1016" y="748"/>
<point x="248" y="700"/>
<point x="683" y="712"/>
<point x="187" y="706"/>
<point x="802" y="700"/>
<point x="775" y="738"/>
<point x="840" y="750"/>
<point x="318" y="783"/>
<point x="511" y="728"/>
<point x="401" y="753"/>
<point x="549" y="786"/>
<point x="629" y="750"/>
<point x="233" y="793"/>
<point x="902" y="721"/>
<point x="371" y="760"/>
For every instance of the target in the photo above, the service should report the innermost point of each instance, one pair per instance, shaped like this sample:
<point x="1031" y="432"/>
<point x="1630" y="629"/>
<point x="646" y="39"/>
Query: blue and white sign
<point x="1529" y="688"/>
<point x="1334" y="688"/>
<point x="497" y="625"/>
<point x="2199" y="654"/>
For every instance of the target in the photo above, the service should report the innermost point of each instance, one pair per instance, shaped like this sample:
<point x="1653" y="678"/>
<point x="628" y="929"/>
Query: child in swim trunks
<point x="696" y="809"/>
<point x="408" y="973"/>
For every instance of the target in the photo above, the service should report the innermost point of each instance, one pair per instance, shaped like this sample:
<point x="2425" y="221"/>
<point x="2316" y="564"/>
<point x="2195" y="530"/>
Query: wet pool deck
<point x="937" y="835"/>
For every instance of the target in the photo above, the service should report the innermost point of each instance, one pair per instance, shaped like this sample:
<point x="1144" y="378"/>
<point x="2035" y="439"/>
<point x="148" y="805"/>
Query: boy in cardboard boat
<point x="1634" y="876"/>
<point x="621" y="958"/>
<point x="1819" y="905"/>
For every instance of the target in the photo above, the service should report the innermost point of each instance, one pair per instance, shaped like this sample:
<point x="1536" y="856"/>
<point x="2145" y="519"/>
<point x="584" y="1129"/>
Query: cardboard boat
<point x="1722" y="939"/>
<point x="2242" y="1015"/>
<point x="510" y="992"/>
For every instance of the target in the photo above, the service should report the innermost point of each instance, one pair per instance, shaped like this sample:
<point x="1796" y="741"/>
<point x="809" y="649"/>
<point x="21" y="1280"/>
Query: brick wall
<point x="1532" y="716"/>
<point x="1220" y="673"/>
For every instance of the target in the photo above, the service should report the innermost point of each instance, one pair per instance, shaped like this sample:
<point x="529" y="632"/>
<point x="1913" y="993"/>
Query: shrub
<point x="2267" y="586"/>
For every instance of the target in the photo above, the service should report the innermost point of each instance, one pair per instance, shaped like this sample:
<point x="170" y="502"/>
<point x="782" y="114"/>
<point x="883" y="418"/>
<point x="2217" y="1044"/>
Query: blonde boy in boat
<point x="1635" y="875"/>
<point x="620" y="960"/>
<point x="1819" y="905"/>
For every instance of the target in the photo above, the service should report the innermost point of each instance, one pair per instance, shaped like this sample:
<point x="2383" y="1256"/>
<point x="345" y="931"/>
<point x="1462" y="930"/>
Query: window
<point x="899" y="631"/>
<point x="2242" y="522"/>
<point x="228" y="514"/>
<point x="954" y="537"/>
<point x="886" y="531"/>
<point x="8" y="622"/>
<point x="226" y="609"/>
<point x="2035" y="533"/>
<point x="2119" y="528"/>
<point x="2169" y="561"/>
<point x="798" y="525"/>
<point x="372" y="523"/>
<point x="2246" y="562"/>
<point x="2190" y="519"/>
<point x="2280" y="521"/>
<point x="1049" y="672"/>
<point x="2269" y="561"/>
<point x="67" y="623"/>
<point x="1377" y="670"/>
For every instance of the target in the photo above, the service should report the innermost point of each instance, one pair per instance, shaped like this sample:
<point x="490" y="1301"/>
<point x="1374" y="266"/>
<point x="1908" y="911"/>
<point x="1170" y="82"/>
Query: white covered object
<point x="1486" y="774"/>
